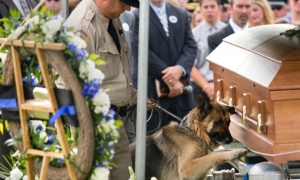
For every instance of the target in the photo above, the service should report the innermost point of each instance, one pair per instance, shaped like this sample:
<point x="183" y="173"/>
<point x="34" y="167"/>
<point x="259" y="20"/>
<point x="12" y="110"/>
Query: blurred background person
<point x="24" y="6"/>
<point x="73" y="4"/>
<point x="173" y="2"/>
<point x="279" y="7"/>
<point x="197" y="17"/>
<point x="261" y="13"/>
<point x="55" y="5"/>
<point x="293" y="17"/>
<point x="224" y="15"/>
<point x="239" y="11"/>
<point x="182" y="3"/>
<point x="202" y="76"/>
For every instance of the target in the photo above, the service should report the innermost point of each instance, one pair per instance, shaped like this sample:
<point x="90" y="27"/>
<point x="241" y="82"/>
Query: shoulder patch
<point x="83" y="34"/>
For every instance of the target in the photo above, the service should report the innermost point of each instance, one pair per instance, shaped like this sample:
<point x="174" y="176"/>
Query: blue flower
<point x="110" y="115"/>
<point x="39" y="128"/>
<point x="50" y="139"/>
<point x="91" y="88"/>
<point x="79" y="53"/>
<point x="27" y="26"/>
<point x="18" y="24"/>
<point x="0" y="68"/>
<point x="97" y="164"/>
<point x="59" y="161"/>
<point x="28" y="58"/>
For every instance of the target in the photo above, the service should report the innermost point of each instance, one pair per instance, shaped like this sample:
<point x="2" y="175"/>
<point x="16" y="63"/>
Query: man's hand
<point x="172" y="74"/>
<point x="209" y="90"/>
<point x="175" y="89"/>
<point x="149" y="104"/>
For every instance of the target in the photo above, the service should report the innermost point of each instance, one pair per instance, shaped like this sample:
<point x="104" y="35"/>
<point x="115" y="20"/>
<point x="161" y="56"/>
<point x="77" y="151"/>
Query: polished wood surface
<point x="257" y="71"/>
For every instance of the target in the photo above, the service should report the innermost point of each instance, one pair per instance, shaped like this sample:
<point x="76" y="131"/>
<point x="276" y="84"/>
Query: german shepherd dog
<point x="181" y="152"/>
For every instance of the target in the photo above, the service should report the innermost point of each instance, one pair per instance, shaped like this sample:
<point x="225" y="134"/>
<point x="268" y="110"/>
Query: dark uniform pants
<point x="122" y="158"/>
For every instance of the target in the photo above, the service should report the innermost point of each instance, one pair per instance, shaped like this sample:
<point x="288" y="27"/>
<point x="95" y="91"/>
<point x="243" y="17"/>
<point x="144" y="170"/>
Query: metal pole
<point x="65" y="9"/>
<point x="142" y="90"/>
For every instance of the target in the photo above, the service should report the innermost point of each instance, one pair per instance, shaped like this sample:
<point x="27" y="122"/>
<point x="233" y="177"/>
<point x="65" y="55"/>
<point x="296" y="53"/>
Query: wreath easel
<point x="50" y="53"/>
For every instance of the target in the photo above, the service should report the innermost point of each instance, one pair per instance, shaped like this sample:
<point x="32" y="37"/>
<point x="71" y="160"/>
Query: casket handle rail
<point x="219" y="94"/>
<point x="232" y="99"/>
<point x="261" y="118"/>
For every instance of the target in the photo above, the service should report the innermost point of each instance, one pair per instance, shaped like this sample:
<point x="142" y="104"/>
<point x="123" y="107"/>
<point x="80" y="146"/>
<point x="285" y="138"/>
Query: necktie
<point x="163" y="20"/>
<point x="25" y="7"/>
<point x="112" y="31"/>
<point x="212" y="29"/>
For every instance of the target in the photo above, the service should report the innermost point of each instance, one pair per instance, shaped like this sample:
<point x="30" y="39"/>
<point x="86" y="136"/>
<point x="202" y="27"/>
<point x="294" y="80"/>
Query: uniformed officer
<point x="97" y="22"/>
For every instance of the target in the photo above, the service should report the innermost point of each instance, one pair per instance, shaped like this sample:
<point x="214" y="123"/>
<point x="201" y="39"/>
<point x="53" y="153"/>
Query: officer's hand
<point x="175" y="89"/>
<point x="149" y="104"/>
<point x="172" y="74"/>
<point x="209" y="90"/>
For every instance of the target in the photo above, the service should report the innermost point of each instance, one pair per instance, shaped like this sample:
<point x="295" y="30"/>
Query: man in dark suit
<point x="239" y="13"/>
<point x="172" y="51"/>
<point x="5" y="5"/>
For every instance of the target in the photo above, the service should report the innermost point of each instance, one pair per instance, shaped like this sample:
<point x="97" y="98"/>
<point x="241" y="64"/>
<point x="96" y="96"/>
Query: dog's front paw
<point x="237" y="153"/>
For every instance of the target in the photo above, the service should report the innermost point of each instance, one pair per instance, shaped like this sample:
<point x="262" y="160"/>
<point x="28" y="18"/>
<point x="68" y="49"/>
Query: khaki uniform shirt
<point x="90" y="24"/>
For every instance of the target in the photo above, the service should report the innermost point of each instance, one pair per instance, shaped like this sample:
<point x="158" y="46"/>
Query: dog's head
<point x="211" y="121"/>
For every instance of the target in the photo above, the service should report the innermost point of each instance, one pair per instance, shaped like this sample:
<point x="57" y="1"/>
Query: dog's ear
<point x="203" y="104"/>
<point x="231" y="109"/>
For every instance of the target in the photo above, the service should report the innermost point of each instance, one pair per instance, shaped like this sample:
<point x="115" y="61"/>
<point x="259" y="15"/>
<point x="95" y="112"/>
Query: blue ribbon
<point x="70" y="110"/>
<point x="8" y="103"/>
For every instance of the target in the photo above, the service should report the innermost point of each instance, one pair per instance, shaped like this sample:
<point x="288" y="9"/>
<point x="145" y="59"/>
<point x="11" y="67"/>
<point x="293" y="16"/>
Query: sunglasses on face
<point x="53" y="0"/>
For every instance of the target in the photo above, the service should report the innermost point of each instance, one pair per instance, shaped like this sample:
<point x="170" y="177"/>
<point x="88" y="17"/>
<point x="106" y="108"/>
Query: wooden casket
<point x="258" y="72"/>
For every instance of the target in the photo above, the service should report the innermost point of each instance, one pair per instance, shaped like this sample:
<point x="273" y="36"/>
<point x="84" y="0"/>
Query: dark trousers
<point x="122" y="157"/>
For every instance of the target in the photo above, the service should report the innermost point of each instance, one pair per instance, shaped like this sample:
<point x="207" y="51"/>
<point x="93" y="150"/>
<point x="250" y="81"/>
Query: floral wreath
<point x="43" y="27"/>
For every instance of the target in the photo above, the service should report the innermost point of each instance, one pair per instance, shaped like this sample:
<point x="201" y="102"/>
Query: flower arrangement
<point x="48" y="27"/>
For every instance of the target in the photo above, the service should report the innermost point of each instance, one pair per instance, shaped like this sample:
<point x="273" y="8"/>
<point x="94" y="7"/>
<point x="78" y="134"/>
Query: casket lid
<point x="262" y="55"/>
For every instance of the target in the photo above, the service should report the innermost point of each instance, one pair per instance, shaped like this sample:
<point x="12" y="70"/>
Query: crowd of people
<point x="181" y="36"/>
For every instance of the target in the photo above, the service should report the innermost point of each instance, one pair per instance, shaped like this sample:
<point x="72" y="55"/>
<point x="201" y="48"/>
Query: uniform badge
<point x="83" y="34"/>
<point x="125" y="26"/>
<point x="173" y="19"/>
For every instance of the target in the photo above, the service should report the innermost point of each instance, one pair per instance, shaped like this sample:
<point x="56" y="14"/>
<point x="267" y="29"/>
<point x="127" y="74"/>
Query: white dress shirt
<point x="18" y="5"/>
<point x="201" y="32"/>
<point x="237" y="28"/>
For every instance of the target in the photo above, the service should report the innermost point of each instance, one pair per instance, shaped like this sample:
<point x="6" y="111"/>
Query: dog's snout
<point x="228" y="140"/>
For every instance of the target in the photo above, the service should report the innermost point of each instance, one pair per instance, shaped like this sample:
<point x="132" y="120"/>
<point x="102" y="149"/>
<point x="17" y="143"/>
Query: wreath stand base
<point x="12" y="74"/>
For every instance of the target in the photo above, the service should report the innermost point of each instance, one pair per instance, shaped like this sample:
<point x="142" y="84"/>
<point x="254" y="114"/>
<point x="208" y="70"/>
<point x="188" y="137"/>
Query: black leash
<point x="131" y="115"/>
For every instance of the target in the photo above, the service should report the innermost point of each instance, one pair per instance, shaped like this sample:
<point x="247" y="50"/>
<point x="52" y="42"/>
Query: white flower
<point x="74" y="151"/>
<point x="49" y="38"/>
<point x="101" y="102"/>
<point x="101" y="109"/>
<point x="16" y="174"/>
<point x="16" y="154"/>
<point x="33" y="22"/>
<point x="80" y="43"/>
<point x="95" y="74"/>
<point x="105" y="126"/>
<point x="16" y="33"/>
<point x="25" y="177"/>
<point x="153" y="178"/>
<point x="100" y="173"/>
<point x="43" y="135"/>
<point x="37" y="125"/>
<point x="51" y="27"/>
<point x="59" y="18"/>
<point x="86" y="66"/>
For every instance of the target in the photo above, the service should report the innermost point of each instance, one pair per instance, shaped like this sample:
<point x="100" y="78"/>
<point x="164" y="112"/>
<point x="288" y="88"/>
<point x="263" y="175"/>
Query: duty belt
<point x="122" y="111"/>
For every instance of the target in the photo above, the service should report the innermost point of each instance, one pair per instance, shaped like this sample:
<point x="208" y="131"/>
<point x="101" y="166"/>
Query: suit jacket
<point x="216" y="38"/>
<point x="178" y="49"/>
<point x="5" y="5"/>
